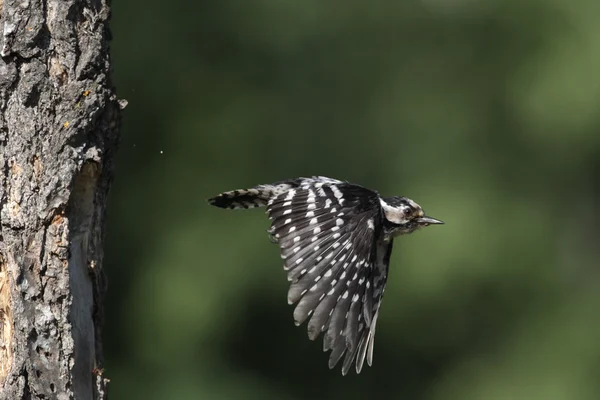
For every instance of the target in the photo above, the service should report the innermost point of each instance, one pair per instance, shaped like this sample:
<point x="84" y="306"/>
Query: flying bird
<point x="336" y="240"/>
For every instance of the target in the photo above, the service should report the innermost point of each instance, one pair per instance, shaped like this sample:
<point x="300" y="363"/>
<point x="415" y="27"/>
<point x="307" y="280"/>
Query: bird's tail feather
<point x="257" y="196"/>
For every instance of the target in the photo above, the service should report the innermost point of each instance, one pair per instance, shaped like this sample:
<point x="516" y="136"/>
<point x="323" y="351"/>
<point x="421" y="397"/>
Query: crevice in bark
<point x="26" y="390"/>
<point x="80" y="210"/>
<point x="3" y="185"/>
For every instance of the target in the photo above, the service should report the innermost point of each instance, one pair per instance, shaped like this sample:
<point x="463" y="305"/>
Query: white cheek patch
<point x="393" y="214"/>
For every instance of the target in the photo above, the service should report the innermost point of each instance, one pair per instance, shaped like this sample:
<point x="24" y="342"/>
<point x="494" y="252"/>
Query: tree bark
<point x="59" y="122"/>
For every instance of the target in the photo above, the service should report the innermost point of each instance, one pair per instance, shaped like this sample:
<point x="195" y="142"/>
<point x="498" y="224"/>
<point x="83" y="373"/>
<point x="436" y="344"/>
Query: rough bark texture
<point x="58" y="134"/>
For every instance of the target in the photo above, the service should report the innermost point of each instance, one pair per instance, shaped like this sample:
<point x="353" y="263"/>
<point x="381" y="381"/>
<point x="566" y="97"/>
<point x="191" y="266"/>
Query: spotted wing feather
<point x="327" y="231"/>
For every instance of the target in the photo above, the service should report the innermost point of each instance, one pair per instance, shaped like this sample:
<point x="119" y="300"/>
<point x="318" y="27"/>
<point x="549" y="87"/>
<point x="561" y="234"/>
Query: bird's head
<point x="404" y="215"/>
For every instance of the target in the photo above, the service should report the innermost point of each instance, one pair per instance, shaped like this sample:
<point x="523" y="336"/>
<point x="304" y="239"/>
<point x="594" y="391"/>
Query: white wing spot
<point x="318" y="278"/>
<point x="311" y="206"/>
<point x="310" y="214"/>
<point x="354" y="258"/>
<point x="296" y="239"/>
<point x="339" y="222"/>
<point x="333" y="210"/>
<point x="317" y="230"/>
<point x="336" y="245"/>
<point x="329" y="255"/>
<point x="328" y="273"/>
<point x="303" y="271"/>
<point x="299" y="261"/>
<point x="333" y="282"/>
<point x="370" y="224"/>
<point x="291" y="194"/>
<point x="287" y="221"/>
<point x="335" y="228"/>
<point x="336" y="235"/>
<point x="343" y="275"/>
<point x="336" y="192"/>
<point x="361" y="280"/>
<point x="345" y="295"/>
<point x="331" y="291"/>
<point x="297" y="249"/>
<point x="368" y="284"/>
<point x="327" y="203"/>
<point x="314" y="238"/>
<point x="286" y="212"/>
<point x="355" y="298"/>
<point x="287" y="204"/>
<point x="316" y="248"/>
<point x="313" y="221"/>
<point x="292" y="229"/>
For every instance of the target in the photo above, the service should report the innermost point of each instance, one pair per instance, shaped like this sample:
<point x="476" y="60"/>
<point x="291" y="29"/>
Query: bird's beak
<point x="425" y="220"/>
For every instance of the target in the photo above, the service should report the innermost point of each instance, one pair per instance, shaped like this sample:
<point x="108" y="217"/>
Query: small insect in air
<point x="336" y="239"/>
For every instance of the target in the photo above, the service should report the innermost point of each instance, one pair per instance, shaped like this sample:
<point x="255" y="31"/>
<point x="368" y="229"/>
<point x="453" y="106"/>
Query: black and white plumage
<point x="336" y="239"/>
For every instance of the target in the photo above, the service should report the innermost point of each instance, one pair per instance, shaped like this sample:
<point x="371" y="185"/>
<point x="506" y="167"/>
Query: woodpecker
<point x="336" y="241"/>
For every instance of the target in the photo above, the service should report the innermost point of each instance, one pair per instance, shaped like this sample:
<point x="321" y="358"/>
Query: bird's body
<point x="336" y="239"/>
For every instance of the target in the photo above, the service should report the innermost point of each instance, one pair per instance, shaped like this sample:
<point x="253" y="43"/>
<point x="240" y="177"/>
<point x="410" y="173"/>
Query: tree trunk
<point x="58" y="134"/>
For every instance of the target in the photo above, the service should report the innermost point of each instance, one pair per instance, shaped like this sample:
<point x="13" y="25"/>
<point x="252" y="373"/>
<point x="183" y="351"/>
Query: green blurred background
<point x="484" y="112"/>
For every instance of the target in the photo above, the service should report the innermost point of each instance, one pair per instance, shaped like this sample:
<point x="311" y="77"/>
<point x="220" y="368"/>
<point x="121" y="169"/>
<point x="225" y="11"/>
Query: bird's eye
<point x="407" y="211"/>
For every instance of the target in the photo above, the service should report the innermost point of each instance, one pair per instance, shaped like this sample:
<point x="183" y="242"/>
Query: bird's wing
<point x="328" y="232"/>
<point x="379" y="280"/>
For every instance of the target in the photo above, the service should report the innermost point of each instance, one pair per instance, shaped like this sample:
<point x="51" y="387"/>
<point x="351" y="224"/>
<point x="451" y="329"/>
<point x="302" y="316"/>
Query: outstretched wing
<point x="328" y="232"/>
<point x="379" y="280"/>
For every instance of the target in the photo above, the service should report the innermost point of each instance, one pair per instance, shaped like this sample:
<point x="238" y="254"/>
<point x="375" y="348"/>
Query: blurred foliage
<point x="484" y="112"/>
